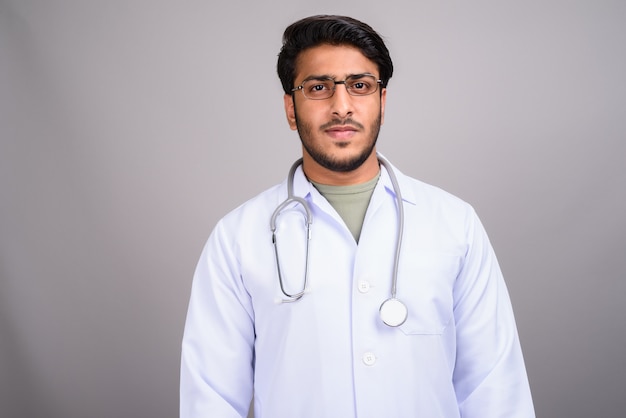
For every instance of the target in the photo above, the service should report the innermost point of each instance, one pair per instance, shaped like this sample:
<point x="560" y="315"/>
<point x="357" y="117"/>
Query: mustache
<point x="341" y="122"/>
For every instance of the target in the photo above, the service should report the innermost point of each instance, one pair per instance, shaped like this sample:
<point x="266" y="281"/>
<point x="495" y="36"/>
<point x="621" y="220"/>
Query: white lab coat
<point x="329" y="354"/>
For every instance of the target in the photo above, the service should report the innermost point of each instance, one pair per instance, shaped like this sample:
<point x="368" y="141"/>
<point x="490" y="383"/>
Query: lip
<point x="342" y="132"/>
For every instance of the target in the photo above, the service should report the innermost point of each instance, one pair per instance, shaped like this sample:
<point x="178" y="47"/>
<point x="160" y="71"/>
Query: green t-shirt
<point x="350" y="202"/>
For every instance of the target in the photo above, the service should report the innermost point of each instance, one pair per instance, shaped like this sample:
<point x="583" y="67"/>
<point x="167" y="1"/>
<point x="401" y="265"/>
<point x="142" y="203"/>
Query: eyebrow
<point x="333" y="77"/>
<point x="319" y="77"/>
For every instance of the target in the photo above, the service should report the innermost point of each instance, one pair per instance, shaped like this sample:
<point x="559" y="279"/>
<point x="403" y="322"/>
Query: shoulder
<point x="260" y="206"/>
<point x="440" y="215"/>
<point x="247" y="224"/>
<point x="423" y="194"/>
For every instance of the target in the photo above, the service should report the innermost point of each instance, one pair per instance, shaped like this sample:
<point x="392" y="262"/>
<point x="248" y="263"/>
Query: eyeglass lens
<point x="359" y="85"/>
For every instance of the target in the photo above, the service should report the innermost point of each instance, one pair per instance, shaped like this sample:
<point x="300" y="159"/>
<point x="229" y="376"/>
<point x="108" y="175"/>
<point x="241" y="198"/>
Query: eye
<point x="362" y="85"/>
<point x="318" y="87"/>
<point x="359" y="85"/>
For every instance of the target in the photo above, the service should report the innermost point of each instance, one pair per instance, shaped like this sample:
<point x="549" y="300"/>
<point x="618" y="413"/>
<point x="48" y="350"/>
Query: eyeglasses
<point x="324" y="87"/>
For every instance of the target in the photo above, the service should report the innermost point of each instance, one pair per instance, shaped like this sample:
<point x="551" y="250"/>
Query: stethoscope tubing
<point x="400" y="209"/>
<point x="393" y="311"/>
<point x="292" y="297"/>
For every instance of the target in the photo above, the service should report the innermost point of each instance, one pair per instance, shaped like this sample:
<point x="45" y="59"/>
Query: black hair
<point x="332" y="30"/>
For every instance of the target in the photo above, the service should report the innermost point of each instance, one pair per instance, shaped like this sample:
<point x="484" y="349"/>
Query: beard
<point x="325" y="158"/>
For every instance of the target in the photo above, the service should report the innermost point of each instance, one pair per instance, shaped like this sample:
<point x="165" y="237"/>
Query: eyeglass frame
<point x="328" y="78"/>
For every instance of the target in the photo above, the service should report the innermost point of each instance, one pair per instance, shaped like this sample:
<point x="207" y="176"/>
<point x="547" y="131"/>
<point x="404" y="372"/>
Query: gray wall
<point x="127" y="128"/>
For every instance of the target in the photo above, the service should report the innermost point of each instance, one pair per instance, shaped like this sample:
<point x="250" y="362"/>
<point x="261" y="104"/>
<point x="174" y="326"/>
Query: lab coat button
<point x="369" y="359"/>
<point x="364" y="286"/>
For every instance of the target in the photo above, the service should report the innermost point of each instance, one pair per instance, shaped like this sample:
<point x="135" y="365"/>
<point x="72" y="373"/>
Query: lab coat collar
<point x="408" y="192"/>
<point x="302" y="186"/>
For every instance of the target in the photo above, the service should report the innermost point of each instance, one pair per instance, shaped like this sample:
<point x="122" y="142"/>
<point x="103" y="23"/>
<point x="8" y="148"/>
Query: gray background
<point x="127" y="128"/>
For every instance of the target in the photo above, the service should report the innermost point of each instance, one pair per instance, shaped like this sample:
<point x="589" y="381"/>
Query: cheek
<point x="311" y="115"/>
<point x="374" y="114"/>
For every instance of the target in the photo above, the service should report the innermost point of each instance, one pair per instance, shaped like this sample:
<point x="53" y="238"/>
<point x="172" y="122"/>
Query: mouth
<point x="341" y="132"/>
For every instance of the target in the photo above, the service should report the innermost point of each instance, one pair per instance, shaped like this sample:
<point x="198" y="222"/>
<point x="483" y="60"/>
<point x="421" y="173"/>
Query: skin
<point x="338" y="134"/>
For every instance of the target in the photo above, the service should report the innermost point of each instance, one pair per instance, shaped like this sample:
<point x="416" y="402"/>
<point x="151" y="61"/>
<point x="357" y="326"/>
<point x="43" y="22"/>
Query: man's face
<point x="338" y="134"/>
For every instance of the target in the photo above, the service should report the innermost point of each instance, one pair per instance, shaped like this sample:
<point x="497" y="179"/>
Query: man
<point x="302" y="323"/>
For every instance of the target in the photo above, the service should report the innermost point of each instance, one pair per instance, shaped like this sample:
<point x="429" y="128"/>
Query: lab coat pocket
<point x="425" y="285"/>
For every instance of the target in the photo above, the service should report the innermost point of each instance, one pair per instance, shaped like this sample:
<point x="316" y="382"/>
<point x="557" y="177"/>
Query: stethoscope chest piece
<point x="393" y="312"/>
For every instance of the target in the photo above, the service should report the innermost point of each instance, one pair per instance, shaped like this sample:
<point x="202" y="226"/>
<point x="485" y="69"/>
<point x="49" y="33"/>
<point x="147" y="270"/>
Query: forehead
<point x="333" y="60"/>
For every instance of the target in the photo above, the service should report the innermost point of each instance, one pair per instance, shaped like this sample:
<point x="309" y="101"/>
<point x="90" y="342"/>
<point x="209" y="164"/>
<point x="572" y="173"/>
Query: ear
<point x="290" y="111"/>
<point x="383" y="100"/>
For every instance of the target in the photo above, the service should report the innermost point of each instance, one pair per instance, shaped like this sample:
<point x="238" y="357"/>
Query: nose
<point x="342" y="104"/>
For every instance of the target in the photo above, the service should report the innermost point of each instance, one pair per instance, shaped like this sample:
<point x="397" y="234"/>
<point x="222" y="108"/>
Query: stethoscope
<point x="393" y="311"/>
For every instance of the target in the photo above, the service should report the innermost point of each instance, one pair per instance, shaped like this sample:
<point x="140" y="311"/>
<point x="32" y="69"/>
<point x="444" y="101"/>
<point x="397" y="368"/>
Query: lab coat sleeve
<point x="489" y="377"/>
<point x="217" y="350"/>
